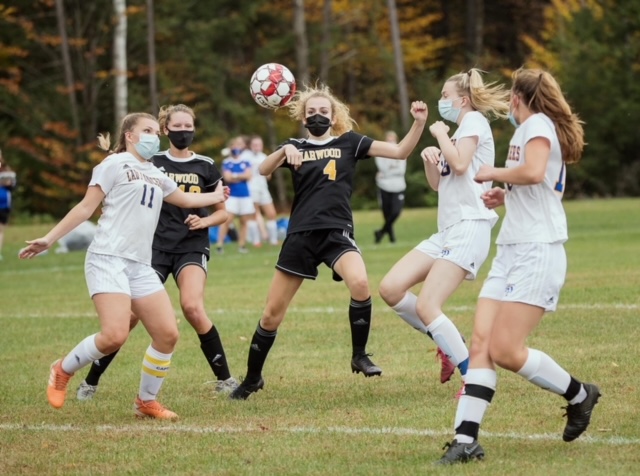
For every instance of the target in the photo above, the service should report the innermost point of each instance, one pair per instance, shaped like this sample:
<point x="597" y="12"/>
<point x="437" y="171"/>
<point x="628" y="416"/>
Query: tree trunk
<point x="68" y="69"/>
<point x="278" y="175"/>
<point x="401" y="80"/>
<point x="302" y="47"/>
<point x="151" y="48"/>
<point x="326" y="41"/>
<point x="120" y="60"/>
<point x="474" y="30"/>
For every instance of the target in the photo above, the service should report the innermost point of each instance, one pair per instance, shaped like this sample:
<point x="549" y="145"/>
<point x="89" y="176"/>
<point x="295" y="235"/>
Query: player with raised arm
<point x="321" y="224"/>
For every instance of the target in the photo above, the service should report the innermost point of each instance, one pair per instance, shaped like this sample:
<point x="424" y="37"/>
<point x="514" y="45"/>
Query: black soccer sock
<point x="98" y="367"/>
<point x="360" y="320"/>
<point x="260" y="346"/>
<point x="213" y="351"/>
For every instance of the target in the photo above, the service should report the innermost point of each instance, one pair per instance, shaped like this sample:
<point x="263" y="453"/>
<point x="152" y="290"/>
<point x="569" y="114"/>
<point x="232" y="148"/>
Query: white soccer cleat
<point x="86" y="391"/>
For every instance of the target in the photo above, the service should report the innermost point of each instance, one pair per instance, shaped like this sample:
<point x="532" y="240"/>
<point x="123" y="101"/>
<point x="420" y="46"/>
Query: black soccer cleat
<point x="246" y="388"/>
<point x="362" y="363"/>
<point x="461" y="452"/>
<point x="579" y="415"/>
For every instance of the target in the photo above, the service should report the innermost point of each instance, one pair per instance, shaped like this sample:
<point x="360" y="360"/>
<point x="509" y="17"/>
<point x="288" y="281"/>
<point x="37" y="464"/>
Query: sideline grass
<point x="314" y="416"/>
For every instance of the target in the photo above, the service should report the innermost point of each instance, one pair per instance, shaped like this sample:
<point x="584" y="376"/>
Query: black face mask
<point x="318" y="125"/>
<point x="181" y="139"/>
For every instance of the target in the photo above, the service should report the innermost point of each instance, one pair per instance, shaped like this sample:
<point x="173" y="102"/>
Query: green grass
<point x="314" y="416"/>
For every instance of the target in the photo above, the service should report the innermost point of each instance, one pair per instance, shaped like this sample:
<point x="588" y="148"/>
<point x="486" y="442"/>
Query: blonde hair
<point x="164" y="116"/>
<point x="342" y="121"/>
<point x="128" y="123"/>
<point x="491" y="99"/>
<point x="541" y="93"/>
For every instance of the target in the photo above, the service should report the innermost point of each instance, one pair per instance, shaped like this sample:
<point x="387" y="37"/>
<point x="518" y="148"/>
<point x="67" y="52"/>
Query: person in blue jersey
<point x="530" y="266"/>
<point x="321" y="226"/>
<point x="236" y="172"/>
<point x="118" y="268"/>
<point x="7" y="184"/>
<point x="181" y="244"/>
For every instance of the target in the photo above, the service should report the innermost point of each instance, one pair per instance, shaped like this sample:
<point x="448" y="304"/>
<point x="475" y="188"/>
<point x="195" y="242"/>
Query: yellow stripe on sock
<point x="154" y="372"/>
<point x="159" y="363"/>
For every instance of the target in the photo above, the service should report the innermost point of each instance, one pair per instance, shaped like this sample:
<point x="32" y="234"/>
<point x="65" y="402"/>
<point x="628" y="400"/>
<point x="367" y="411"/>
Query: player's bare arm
<point x="196" y="200"/>
<point x="531" y="172"/>
<point x="78" y="214"/>
<point x="458" y="156"/>
<point x="431" y="160"/>
<point x="403" y="149"/>
<point x="289" y="153"/>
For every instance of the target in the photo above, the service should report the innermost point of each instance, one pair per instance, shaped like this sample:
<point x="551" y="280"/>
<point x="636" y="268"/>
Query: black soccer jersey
<point x="324" y="182"/>
<point x="198" y="174"/>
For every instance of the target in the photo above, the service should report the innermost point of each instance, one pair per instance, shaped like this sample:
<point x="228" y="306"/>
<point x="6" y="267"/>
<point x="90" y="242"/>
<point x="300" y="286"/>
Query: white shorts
<point x="112" y="274"/>
<point x="531" y="273"/>
<point x="260" y="195"/>
<point x="240" y="206"/>
<point x="465" y="244"/>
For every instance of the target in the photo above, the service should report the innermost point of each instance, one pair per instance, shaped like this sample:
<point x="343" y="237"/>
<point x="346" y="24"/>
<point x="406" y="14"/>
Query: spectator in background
<point x="7" y="184"/>
<point x="236" y="172"/>
<point x="391" y="187"/>
<point x="260" y="230"/>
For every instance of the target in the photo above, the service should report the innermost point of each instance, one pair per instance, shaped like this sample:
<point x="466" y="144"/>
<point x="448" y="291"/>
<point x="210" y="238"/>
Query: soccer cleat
<point x="377" y="236"/>
<point x="579" y="415"/>
<point x="58" y="382"/>
<point x="152" y="409"/>
<point x="246" y="388"/>
<point x="446" y="366"/>
<point x="86" y="391"/>
<point x="226" y="386"/>
<point x="243" y="250"/>
<point x="461" y="452"/>
<point x="362" y="363"/>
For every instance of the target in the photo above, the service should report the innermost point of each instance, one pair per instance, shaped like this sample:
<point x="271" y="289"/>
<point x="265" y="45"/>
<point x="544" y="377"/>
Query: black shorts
<point x="302" y="252"/>
<point x="4" y="216"/>
<point x="165" y="263"/>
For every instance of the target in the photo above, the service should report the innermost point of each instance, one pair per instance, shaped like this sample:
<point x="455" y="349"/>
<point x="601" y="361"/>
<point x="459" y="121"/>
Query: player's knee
<point x="389" y="292"/>
<point x="193" y="311"/>
<point x="503" y="356"/>
<point x="113" y="339"/>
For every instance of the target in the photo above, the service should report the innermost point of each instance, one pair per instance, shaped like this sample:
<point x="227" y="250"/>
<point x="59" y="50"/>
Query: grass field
<point x="314" y="416"/>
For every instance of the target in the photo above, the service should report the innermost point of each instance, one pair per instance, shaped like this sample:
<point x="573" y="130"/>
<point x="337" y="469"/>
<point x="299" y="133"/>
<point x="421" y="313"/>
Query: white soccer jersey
<point x="459" y="195"/>
<point x="534" y="213"/>
<point x="258" y="181"/>
<point x="134" y="192"/>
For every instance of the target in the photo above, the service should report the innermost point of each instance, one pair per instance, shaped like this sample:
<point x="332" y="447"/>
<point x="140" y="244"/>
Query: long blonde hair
<point x="128" y="123"/>
<point x="541" y="93"/>
<point x="342" y="121"/>
<point x="164" y="116"/>
<point x="491" y="99"/>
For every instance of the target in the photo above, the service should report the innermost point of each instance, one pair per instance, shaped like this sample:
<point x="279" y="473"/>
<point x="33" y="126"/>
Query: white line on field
<point x="611" y="441"/>
<point x="323" y="310"/>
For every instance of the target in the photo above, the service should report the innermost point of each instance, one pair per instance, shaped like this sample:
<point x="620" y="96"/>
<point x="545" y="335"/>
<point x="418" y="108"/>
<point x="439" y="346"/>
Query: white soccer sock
<point x="272" y="231"/>
<point x="543" y="371"/>
<point x="406" y="309"/>
<point x="253" y="232"/>
<point x="155" y="367"/>
<point x="84" y="353"/>
<point x="480" y="386"/>
<point x="446" y="335"/>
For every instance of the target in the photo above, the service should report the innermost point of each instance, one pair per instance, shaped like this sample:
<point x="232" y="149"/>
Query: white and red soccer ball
<point x="272" y="85"/>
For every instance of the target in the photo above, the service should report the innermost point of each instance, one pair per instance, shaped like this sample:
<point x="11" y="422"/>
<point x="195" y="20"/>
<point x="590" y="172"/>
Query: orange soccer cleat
<point x="57" y="387"/>
<point x="152" y="409"/>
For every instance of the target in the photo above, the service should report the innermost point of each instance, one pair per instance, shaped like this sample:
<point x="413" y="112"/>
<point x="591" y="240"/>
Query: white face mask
<point x="447" y="111"/>
<point x="148" y="145"/>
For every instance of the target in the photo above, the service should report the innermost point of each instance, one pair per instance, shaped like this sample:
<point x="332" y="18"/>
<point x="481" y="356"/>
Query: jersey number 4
<point x="144" y="196"/>
<point x="330" y="170"/>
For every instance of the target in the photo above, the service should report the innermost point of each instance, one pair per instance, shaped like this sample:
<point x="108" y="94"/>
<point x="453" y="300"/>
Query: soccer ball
<point x="272" y="85"/>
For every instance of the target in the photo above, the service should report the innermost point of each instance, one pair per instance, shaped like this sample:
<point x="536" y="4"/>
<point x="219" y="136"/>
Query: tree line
<point x="69" y="69"/>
